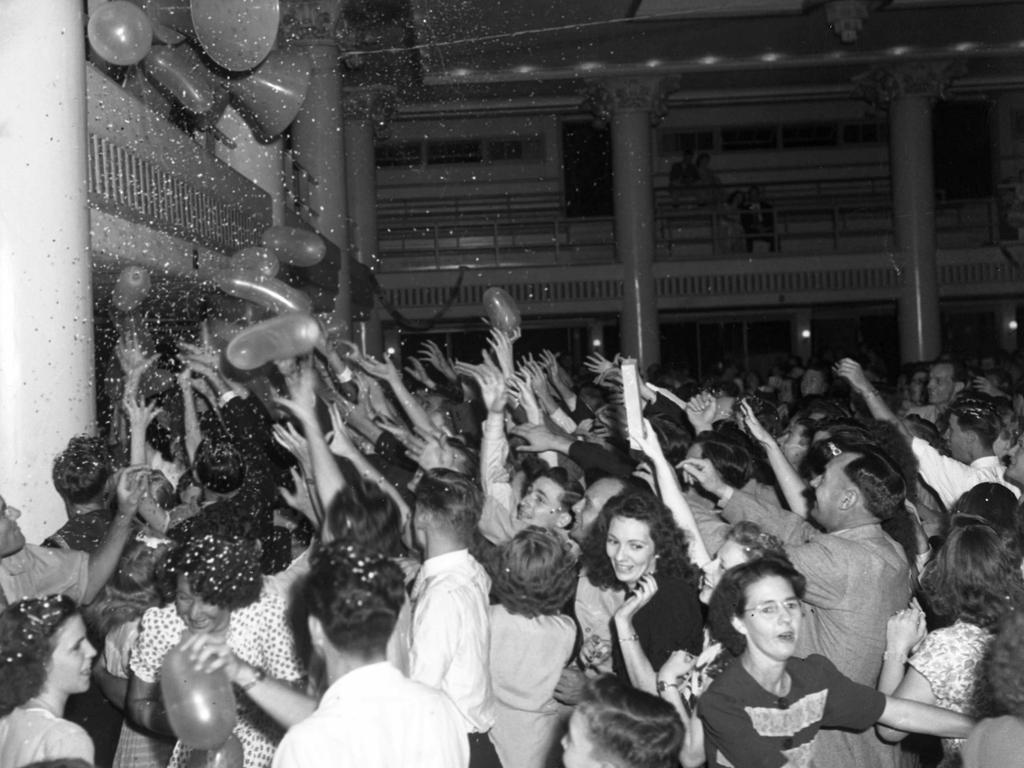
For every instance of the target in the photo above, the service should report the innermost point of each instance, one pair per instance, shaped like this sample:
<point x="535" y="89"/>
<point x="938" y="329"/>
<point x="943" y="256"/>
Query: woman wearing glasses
<point x="44" y="658"/>
<point x="767" y="707"/>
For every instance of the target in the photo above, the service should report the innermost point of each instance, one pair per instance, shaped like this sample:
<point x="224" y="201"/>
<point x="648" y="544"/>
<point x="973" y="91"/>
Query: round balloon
<point x="300" y="247"/>
<point x="254" y="259"/>
<point x="266" y="291"/>
<point x="120" y="32"/>
<point x="280" y="338"/>
<point x="502" y="311"/>
<point x="133" y="285"/>
<point x="200" y="705"/>
<point x="231" y="755"/>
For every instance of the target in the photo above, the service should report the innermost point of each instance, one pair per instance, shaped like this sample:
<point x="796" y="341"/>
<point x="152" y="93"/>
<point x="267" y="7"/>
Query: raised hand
<point x="703" y="472"/>
<point x="416" y="371"/>
<point x="754" y="427"/>
<point x="501" y="349"/>
<point x="431" y="353"/>
<point x="289" y="438"/>
<point x="597" y="364"/>
<point x="490" y="379"/>
<point x="852" y="371"/>
<point x="700" y="410"/>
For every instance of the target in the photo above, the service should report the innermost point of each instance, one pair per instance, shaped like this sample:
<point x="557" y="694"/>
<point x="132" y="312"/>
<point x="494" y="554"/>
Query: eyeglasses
<point x="772" y="609"/>
<point x="833" y="449"/>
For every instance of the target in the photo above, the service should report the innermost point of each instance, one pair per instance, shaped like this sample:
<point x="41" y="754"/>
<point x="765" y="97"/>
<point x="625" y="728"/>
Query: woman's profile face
<point x="630" y="548"/>
<point x="199" y="616"/>
<point x="730" y="554"/>
<point x="771" y="619"/>
<point x="70" y="667"/>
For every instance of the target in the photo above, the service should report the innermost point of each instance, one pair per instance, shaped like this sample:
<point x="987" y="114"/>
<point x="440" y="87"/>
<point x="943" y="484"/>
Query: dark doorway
<point x="587" y="163"/>
<point x="962" y="150"/>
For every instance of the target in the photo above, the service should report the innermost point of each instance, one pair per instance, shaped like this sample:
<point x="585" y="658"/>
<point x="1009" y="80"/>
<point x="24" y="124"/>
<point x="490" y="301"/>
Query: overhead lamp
<point x="846" y="17"/>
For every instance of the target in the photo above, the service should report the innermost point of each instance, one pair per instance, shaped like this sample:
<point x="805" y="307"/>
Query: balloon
<point x="502" y="311"/>
<point x="132" y="287"/>
<point x="200" y="705"/>
<point x="231" y="755"/>
<point x="180" y="73"/>
<point x="253" y="259"/>
<point x="120" y="32"/>
<point x="280" y="338"/>
<point x="268" y="292"/>
<point x="300" y="247"/>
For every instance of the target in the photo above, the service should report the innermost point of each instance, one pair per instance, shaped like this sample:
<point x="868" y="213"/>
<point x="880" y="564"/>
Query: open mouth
<point x="787" y="637"/>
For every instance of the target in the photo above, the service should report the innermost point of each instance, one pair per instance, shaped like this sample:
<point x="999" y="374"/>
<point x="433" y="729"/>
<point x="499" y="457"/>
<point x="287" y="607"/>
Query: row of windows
<point x="786" y="136"/>
<point x="411" y="154"/>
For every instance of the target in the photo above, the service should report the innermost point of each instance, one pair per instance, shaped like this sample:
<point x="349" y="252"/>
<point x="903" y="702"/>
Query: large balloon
<point x="502" y="311"/>
<point x="268" y="292"/>
<point x="180" y="73"/>
<point x="132" y="287"/>
<point x="200" y="706"/>
<point x="231" y="755"/>
<point x="253" y="259"/>
<point x="295" y="246"/>
<point x="280" y="338"/>
<point x="120" y="32"/>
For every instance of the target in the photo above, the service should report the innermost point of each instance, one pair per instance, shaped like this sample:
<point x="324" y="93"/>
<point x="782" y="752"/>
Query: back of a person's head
<point x="452" y="500"/>
<point x="975" y="577"/>
<point x="977" y="413"/>
<point x="355" y="594"/>
<point x="219" y="466"/>
<point x="81" y="471"/>
<point x="675" y="438"/>
<point x="629" y="728"/>
<point x="989" y="503"/>
<point x="728" y="454"/>
<point x="534" y="574"/>
<point x="363" y="515"/>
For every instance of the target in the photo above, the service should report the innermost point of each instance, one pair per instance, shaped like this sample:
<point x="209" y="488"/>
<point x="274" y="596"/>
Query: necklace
<point x="37" y="703"/>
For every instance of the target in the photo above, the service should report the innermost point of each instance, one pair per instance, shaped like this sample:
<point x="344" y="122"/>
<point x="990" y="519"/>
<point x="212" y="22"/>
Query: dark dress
<point x="748" y="727"/>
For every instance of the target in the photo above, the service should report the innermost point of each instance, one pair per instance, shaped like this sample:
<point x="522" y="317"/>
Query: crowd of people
<point x="505" y="562"/>
<point x="744" y="219"/>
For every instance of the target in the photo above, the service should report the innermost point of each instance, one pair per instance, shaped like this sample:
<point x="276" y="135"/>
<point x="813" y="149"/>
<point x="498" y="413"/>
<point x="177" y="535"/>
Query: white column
<point x="47" y="389"/>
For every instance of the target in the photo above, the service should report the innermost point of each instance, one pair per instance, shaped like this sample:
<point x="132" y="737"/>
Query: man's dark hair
<point x="219" y="466"/>
<point x="451" y="498"/>
<point x="629" y="727"/>
<point x="81" y="471"/>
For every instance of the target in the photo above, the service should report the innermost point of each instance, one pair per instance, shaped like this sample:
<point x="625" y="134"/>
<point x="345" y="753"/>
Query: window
<point x="454" y="152"/>
<point x="530" y="150"/>
<point x="397" y="154"/>
<point x="865" y="133"/>
<point x="798" y="135"/>
<point x="676" y="142"/>
<point x="749" y="137"/>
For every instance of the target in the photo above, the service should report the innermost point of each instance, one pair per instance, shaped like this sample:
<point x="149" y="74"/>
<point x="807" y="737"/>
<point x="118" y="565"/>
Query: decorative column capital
<point x="882" y="85"/>
<point x="311" y="21"/>
<point x="604" y="98"/>
<point x="374" y="104"/>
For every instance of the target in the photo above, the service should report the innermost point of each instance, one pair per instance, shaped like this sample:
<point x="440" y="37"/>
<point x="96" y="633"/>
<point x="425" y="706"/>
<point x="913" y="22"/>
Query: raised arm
<point x="852" y="371"/>
<point x="413" y="410"/>
<point x="789" y="480"/>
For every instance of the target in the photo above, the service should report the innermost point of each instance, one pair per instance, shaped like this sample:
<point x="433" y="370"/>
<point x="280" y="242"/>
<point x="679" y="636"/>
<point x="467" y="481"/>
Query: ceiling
<point x="475" y="52"/>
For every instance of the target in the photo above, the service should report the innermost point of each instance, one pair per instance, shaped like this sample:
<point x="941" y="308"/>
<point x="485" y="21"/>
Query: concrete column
<point x="367" y="111"/>
<point x="908" y="92"/>
<point x="318" y="144"/>
<point x="47" y="388"/>
<point x="260" y="163"/>
<point x="631" y="105"/>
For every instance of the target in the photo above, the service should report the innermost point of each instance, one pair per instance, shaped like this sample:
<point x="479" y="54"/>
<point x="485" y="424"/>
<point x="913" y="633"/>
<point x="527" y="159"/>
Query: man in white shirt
<point x="451" y="632"/>
<point x="371" y="715"/>
<point x="946" y="380"/>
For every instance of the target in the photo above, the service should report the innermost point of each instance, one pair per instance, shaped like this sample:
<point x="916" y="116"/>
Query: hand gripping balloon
<point x="502" y="312"/>
<point x="200" y="705"/>
<point x="230" y="755"/>
<point x="280" y="338"/>
<point x="266" y="291"/>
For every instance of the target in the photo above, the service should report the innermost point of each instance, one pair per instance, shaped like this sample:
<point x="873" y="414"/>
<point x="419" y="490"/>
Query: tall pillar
<point x="367" y="113"/>
<point x="318" y="141"/>
<point x="908" y="93"/>
<point x="47" y="389"/>
<point x="632" y="105"/>
<point x="260" y="163"/>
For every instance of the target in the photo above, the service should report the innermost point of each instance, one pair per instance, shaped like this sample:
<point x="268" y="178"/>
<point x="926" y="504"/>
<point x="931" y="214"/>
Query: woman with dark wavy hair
<point x="533" y="577"/>
<point x="973" y="581"/>
<point x="638" y="590"/>
<point x="44" y="658"/>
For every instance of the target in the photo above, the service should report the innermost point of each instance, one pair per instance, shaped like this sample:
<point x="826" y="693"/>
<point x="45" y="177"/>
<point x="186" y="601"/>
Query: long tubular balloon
<point x="266" y="291"/>
<point x="295" y="246"/>
<point x="280" y="338"/>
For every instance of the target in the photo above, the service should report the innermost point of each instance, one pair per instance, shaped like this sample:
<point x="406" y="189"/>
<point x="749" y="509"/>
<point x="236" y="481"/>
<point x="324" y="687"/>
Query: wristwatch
<point x="663" y="684"/>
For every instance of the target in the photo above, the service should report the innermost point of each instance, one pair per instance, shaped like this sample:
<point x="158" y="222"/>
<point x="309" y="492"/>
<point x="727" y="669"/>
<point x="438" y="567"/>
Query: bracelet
<point x="634" y="638"/>
<point x="901" y="657"/>
<point x="260" y="676"/>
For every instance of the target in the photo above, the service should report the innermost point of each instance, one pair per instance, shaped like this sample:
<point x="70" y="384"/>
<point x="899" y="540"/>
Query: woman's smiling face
<point x="630" y="548"/>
